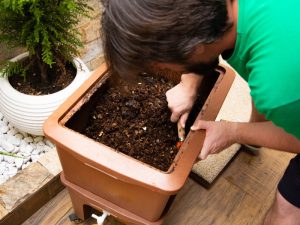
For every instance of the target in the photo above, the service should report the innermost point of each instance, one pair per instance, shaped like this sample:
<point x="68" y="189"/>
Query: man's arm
<point x="268" y="135"/>
<point x="222" y="134"/>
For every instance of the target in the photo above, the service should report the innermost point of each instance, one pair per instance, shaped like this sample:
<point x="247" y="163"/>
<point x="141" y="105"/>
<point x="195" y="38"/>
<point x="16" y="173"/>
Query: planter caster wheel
<point x="75" y="219"/>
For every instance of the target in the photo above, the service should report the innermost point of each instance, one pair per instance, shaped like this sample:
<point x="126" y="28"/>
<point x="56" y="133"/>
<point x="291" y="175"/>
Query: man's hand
<point x="219" y="136"/>
<point x="182" y="97"/>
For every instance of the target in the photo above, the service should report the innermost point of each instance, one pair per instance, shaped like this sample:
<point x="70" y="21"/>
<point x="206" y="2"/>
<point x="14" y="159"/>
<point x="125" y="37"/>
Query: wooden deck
<point x="240" y="196"/>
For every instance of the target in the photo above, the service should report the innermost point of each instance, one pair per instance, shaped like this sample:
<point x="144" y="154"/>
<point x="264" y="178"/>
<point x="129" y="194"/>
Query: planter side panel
<point x="139" y="200"/>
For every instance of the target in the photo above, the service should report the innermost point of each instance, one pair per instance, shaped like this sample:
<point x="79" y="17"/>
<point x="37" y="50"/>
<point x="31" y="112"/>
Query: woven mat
<point x="236" y="107"/>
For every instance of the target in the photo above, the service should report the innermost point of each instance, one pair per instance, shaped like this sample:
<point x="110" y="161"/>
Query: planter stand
<point x="104" y="179"/>
<point x="81" y="198"/>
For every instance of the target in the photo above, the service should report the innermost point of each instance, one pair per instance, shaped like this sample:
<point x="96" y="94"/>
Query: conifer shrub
<point x="46" y="29"/>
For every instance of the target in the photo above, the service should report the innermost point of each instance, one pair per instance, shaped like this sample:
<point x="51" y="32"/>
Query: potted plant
<point x="101" y="177"/>
<point x="46" y="30"/>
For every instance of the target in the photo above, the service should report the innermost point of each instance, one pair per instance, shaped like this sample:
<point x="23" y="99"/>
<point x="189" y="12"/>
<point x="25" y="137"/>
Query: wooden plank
<point x="195" y="203"/>
<point x="59" y="206"/>
<point x="33" y="203"/>
<point x="258" y="175"/>
<point x="57" y="212"/>
<point x="259" y="217"/>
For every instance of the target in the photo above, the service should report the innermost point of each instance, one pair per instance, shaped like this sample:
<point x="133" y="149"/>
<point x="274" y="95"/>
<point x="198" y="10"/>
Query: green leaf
<point x="10" y="154"/>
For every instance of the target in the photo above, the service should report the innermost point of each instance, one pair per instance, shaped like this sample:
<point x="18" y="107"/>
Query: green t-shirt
<point x="267" y="56"/>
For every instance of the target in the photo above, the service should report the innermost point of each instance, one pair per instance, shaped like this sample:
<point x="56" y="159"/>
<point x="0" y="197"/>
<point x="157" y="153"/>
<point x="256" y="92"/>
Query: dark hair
<point x="136" y="33"/>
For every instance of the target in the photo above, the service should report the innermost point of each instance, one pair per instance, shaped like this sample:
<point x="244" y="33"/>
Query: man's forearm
<point x="268" y="135"/>
<point x="192" y="80"/>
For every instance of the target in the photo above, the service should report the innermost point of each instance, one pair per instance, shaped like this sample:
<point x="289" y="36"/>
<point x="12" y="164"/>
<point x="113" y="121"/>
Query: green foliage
<point x="10" y="154"/>
<point x="10" y="68"/>
<point x="46" y="28"/>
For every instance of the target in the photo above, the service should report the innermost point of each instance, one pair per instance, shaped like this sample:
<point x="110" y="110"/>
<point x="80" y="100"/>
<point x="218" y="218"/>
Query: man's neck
<point x="228" y="40"/>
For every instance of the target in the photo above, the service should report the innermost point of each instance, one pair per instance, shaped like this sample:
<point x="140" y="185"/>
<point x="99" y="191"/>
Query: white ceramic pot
<point x="28" y="112"/>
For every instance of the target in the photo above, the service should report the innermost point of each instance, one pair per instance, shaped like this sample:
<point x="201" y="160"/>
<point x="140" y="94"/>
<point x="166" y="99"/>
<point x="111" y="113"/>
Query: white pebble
<point x="9" y="159"/>
<point x="7" y="146"/>
<point x="10" y="166"/>
<point x="28" y="139"/>
<point x="24" y="166"/>
<point x="33" y="146"/>
<point x="1" y="158"/>
<point x="2" y="169"/>
<point x="6" y="173"/>
<point x="5" y="136"/>
<point x="16" y="150"/>
<point x="22" y="147"/>
<point x="6" y="176"/>
<point x="40" y="149"/>
<point x="1" y="116"/>
<point x="28" y="149"/>
<point x="38" y="138"/>
<point x="14" y="140"/>
<point x="23" y="143"/>
<point x="26" y="159"/>
<point x="40" y="143"/>
<point x="4" y="129"/>
<point x="35" y="152"/>
<point x="19" y="162"/>
<point x="13" y="171"/>
<point x="50" y="144"/>
<point x="19" y="136"/>
<point x="5" y="121"/>
<point x="24" y="134"/>
<point x="12" y="131"/>
<point x="47" y="149"/>
<point x="26" y="154"/>
<point x="34" y="158"/>
<point x="3" y="164"/>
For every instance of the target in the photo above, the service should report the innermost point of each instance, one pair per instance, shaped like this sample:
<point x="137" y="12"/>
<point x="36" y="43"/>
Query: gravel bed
<point x="18" y="149"/>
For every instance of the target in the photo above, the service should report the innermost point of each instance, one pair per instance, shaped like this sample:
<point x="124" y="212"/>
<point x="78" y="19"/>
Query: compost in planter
<point x="135" y="119"/>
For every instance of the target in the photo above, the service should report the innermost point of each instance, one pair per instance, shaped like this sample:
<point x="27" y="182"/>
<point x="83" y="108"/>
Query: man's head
<point x="138" y="34"/>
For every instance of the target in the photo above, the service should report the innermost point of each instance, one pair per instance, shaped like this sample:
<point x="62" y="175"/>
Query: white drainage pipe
<point x="100" y="219"/>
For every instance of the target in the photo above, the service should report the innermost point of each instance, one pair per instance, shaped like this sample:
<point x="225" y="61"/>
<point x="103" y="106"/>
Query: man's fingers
<point x="174" y="117"/>
<point x="183" y="119"/>
<point x="200" y="124"/>
<point x="204" y="151"/>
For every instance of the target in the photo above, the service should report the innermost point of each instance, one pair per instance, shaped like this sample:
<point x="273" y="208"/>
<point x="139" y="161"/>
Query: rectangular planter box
<point x="104" y="179"/>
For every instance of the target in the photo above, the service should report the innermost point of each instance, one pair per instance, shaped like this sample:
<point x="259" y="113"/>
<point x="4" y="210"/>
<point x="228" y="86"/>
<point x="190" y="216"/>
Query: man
<point x="258" y="38"/>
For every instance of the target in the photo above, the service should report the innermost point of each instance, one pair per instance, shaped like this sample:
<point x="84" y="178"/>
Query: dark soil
<point x="31" y="84"/>
<point x="135" y="122"/>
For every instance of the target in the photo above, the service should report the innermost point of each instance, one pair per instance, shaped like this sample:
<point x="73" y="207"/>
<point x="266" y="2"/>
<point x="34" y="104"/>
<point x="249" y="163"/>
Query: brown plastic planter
<point x="104" y="179"/>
